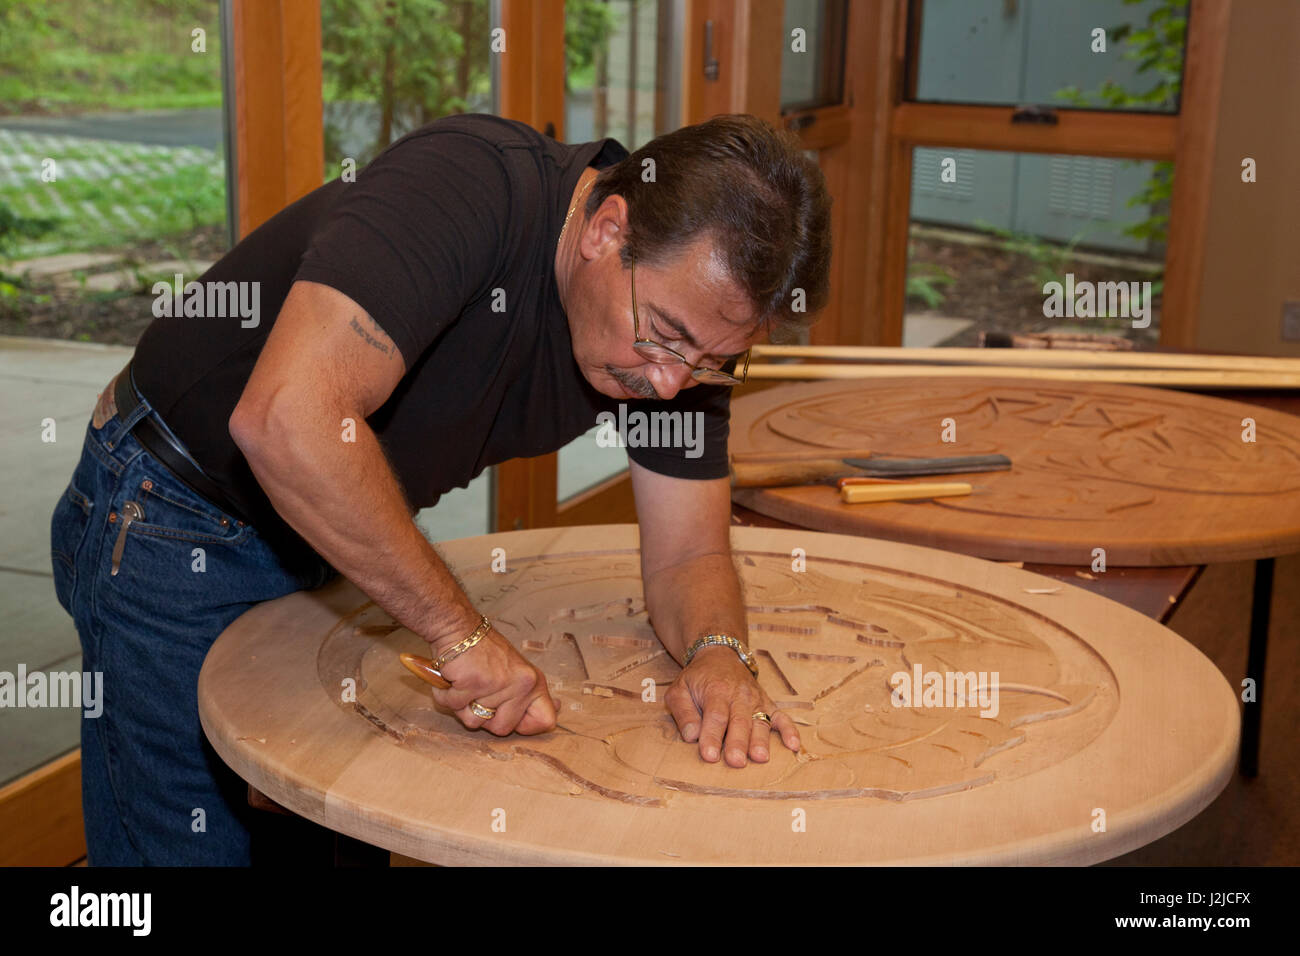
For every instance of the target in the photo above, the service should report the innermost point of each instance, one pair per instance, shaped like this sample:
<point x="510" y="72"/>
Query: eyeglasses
<point x="660" y="354"/>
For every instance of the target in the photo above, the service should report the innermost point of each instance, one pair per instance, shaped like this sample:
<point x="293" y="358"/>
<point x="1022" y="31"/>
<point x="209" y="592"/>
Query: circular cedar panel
<point x="1098" y="710"/>
<point x="1154" y="477"/>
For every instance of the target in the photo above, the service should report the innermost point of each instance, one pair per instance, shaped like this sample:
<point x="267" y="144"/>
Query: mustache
<point x="637" y="384"/>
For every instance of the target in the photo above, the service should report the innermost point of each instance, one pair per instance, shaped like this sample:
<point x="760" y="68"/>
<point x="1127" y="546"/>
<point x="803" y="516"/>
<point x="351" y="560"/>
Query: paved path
<point x="40" y="379"/>
<point x="172" y="128"/>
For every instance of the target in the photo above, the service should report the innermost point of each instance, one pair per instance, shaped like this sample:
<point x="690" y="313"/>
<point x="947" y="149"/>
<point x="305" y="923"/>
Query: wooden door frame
<point x="277" y="114"/>
<point x="852" y="143"/>
<point x="523" y="490"/>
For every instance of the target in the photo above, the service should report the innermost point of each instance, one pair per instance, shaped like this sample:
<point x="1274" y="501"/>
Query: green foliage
<point x="925" y="281"/>
<point x="1157" y="49"/>
<point x="164" y="201"/>
<point x="1155" y="193"/>
<point x="1050" y="260"/>
<point x="587" y="28"/>
<point x="422" y="59"/>
<point x="191" y="197"/>
<point x="14" y="227"/>
<point x="416" y="59"/>
<point x="86" y="54"/>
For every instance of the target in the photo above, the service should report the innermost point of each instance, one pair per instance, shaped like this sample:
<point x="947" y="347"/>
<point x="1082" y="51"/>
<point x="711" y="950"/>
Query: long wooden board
<point x="1032" y="358"/>
<point x="1204" y="379"/>
<point x="1107" y="730"/>
<point x="1150" y="477"/>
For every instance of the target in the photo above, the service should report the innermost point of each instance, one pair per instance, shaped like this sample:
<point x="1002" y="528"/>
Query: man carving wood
<point x="468" y="299"/>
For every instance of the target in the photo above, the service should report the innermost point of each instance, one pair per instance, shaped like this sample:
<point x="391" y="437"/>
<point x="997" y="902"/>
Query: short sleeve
<point x="703" y="453"/>
<point x="418" y="236"/>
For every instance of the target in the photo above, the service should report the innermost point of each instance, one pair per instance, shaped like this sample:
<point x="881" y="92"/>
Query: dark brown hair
<point x="749" y="188"/>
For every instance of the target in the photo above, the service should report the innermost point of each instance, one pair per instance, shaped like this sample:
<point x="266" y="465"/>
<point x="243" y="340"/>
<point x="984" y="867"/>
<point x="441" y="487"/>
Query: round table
<point x="1065" y="728"/>
<point x="1151" y="477"/>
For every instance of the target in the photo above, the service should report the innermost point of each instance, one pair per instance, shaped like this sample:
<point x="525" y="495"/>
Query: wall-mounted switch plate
<point x="1291" y="321"/>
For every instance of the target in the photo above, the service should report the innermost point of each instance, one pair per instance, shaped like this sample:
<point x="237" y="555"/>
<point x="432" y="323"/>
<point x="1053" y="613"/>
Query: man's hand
<point x="716" y="697"/>
<point x="495" y="675"/>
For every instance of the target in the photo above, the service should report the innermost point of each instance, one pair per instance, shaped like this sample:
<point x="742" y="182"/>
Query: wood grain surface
<point x="1152" y="477"/>
<point x="1094" y="708"/>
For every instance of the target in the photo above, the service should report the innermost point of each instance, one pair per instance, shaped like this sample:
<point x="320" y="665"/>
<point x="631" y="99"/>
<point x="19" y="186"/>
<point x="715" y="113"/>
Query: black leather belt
<point x="159" y="444"/>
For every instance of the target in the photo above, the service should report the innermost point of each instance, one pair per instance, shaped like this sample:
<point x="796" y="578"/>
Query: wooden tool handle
<point x="422" y="668"/>
<point x="768" y="474"/>
<point x="859" y="494"/>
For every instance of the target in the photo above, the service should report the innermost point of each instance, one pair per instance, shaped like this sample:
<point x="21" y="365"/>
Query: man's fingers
<point x="686" y="714"/>
<point x="508" y="714"/>
<point x="785" y="726"/>
<point x="717" y="712"/>
<point x="522" y="706"/>
<point x="759" y="740"/>
<point x="540" y="716"/>
<point x="739" y="729"/>
<point x="455" y="700"/>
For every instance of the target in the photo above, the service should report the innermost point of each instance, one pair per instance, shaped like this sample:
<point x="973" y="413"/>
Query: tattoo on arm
<point x="370" y="339"/>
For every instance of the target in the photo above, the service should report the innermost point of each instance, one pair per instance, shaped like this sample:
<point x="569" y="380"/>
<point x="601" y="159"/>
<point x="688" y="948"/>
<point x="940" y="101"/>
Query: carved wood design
<point x="1153" y="477"/>
<point x="828" y="641"/>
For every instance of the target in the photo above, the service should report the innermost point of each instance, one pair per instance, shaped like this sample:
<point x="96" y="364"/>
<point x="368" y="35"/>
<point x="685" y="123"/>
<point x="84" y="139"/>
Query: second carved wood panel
<point x="1151" y="477"/>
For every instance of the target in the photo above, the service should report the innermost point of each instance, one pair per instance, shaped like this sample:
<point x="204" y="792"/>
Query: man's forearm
<point x="344" y="500"/>
<point x="699" y="596"/>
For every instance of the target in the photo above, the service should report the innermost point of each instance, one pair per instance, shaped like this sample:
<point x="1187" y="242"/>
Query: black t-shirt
<point x="440" y="231"/>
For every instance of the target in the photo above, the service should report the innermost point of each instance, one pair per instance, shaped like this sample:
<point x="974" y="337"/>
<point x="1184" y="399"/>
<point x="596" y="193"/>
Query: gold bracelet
<point x="449" y="655"/>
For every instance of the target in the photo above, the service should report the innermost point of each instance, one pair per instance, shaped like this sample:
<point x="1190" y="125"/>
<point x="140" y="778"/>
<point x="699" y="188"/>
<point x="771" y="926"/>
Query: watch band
<point x="724" y="640"/>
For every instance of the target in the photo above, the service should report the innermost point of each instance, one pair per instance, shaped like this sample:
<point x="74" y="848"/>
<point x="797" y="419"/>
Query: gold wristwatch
<point x="726" y="641"/>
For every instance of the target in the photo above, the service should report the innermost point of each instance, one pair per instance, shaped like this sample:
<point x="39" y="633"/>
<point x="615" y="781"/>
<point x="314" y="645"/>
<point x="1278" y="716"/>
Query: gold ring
<point x="487" y="713"/>
<point x="764" y="717"/>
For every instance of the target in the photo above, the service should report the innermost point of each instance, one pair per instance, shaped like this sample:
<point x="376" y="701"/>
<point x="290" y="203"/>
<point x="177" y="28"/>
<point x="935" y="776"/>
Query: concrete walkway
<point x="40" y="379"/>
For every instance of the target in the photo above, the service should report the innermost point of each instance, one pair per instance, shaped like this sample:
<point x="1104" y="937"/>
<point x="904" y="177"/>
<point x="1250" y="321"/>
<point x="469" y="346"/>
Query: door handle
<point x="1043" y="115"/>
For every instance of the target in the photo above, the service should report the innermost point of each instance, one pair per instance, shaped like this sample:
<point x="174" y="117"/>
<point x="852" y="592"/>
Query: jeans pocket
<point x="68" y="527"/>
<point x="171" y="510"/>
<point x="163" y="531"/>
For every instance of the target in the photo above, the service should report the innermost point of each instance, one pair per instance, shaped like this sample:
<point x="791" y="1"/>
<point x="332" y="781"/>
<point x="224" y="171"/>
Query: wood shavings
<point x="1041" y="590"/>
<point x="1085" y="575"/>
<point x="260" y="740"/>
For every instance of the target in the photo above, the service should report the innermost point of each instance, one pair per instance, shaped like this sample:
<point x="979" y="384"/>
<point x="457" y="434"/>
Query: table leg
<point x="1260" y="606"/>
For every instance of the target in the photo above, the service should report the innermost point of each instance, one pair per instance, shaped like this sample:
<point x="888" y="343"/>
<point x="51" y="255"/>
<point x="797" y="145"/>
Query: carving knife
<point x="752" y="471"/>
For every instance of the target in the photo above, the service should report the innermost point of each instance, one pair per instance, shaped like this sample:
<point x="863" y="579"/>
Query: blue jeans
<point x="153" y="790"/>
